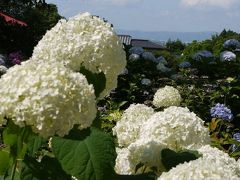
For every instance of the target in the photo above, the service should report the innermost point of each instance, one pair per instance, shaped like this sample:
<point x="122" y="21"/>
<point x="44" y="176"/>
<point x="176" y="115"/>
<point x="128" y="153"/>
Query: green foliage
<point x="39" y="17"/>
<point x="34" y="144"/>
<point x="171" y="158"/>
<point x="97" y="79"/>
<point x="176" y="46"/>
<point x="88" y="154"/>
<point x="4" y="162"/>
<point x="16" y="138"/>
<point x="48" y="168"/>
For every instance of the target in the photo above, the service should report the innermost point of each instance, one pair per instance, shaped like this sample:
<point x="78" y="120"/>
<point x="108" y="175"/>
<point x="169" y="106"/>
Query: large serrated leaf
<point x="87" y="155"/>
<point x="48" y="168"/>
<point x="171" y="158"/>
<point x="97" y="79"/>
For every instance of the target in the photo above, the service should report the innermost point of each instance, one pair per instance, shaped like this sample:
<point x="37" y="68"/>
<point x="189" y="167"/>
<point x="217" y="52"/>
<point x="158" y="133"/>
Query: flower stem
<point x="13" y="170"/>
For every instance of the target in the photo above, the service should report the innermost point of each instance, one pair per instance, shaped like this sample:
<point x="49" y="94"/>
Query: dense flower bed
<point x="79" y="110"/>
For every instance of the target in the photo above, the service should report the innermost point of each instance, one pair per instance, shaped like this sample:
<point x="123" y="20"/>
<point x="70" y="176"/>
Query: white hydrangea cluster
<point x="215" y="155"/>
<point x="48" y="97"/>
<point x="167" y="96"/>
<point x="214" y="164"/>
<point x="199" y="169"/>
<point x="84" y="40"/>
<point x="175" y="128"/>
<point x="128" y="127"/>
<point x="123" y="164"/>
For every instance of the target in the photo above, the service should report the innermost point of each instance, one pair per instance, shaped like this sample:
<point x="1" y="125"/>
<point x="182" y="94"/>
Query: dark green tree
<point x="176" y="46"/>
<point x="39" y="17"/>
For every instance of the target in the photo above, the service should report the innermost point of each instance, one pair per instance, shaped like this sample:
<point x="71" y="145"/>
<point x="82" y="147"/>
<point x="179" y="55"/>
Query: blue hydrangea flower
<point x="236" y="137"/>
<point x="203" y="55"/>
<point x="221" y="111"/>
<point x="231" y="43"/>
<point x="184" y="64"/>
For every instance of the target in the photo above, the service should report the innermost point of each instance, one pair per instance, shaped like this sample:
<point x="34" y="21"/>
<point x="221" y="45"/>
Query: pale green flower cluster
<point x="167" y="96"/>
<point x="84" y="40"/>
<point x="175" y="128"/>
<point x="214" y="164"/>
<point x="46" y="96"/>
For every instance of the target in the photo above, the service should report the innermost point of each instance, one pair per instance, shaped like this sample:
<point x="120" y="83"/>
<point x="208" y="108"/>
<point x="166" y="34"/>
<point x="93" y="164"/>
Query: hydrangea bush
<point x="53" y="96"/>
<point x="175" y="128"/>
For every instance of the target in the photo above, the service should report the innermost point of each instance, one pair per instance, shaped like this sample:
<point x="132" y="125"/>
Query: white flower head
<point x="199" y="169"/>
<point x="123" y="164"/>
<point x="167" y="96"/>
<point x="84" y="40"/>
<point x="128" y="127"/>
<point x="214" y="164"/>
<point x="48" y="97"/>
<point x="175" y="128"/>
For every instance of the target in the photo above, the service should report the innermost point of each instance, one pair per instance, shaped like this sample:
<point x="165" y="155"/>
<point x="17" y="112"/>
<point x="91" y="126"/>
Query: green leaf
<point x="4" y="162"/>
<point x="97" y="79"/>
<point x="35" y="142"/>
<point x="48" y="168"/>
<point x="171" y="158"/>
<point x="88" y="154"/>
<point x="16" y="138"/>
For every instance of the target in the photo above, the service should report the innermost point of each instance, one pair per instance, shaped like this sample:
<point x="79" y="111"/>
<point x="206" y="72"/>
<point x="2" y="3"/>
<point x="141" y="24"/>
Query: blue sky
<point x="159" y="15"/>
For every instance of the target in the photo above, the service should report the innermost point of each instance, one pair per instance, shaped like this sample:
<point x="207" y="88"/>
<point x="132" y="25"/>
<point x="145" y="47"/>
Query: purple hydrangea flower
<point x="221" y="111"/>
<point x="15" y="57"/>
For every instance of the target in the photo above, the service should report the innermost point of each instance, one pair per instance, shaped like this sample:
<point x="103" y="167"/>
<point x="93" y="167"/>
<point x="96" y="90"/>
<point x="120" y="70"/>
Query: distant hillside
<point x="165" y="35"/>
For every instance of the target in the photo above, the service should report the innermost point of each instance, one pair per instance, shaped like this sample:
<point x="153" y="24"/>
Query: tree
<point x="176" y="46"/>
<point x="39" y="17"/>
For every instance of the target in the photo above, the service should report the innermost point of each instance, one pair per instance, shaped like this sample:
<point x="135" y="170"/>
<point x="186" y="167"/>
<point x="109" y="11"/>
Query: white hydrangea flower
<point x="46" y="96"/>
<point x="213" y="154"/>
<point x="175" y="128"/>
<point x="128" y="127"/>
<point x="84" y="40"/>
<point x="214" y="164"/>
<point x="123" y="164"/>
<point x="167" y="96"/>
<point x="200" y="169"/>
